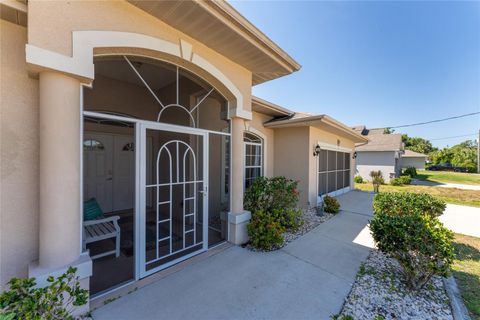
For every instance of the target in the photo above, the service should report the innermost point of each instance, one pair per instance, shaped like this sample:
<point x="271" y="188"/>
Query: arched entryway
<point x="156" y="167"/>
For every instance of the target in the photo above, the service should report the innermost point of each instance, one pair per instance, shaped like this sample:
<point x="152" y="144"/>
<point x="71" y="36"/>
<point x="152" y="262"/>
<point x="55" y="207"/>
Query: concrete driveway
<point x="462" y="219"/>
<point x="308" y="279"/>
<point x="445" y="185"/>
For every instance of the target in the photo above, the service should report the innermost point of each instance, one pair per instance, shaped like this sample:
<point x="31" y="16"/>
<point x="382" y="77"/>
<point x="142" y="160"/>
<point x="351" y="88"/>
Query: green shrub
<point x="290" y="219"/>
<point x="331" y="205"/>
<point x="24" y="301"/>
<point x="358" y="179"/>
<point x="265" y="232"/>
<point x="400" y="181"/>
<point x="410" y="171"/>
<point x="419" y="242"/>
<point x="268" y="194"/>
<point x="401" y="203"/>
<point x="405" y="179"/>
<point x="396" y="182"/>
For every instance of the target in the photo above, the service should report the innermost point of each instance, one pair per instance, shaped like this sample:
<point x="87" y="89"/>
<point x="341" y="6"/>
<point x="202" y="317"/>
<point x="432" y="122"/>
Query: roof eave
<point x="312" y="121"/>
<point x="252" y="33"/>
<point x="276" y="110"/>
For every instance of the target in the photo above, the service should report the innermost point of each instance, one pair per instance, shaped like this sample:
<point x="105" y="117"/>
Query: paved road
<point x="308" y="279"/>
<point x="462" y="219"/>
<point x="445" y="185"/>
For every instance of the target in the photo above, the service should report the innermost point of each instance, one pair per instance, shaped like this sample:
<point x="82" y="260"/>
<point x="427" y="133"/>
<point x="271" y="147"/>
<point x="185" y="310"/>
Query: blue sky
<point x="377" y="63"/>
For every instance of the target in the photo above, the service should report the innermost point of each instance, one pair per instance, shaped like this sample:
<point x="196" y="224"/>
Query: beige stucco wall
<point x="258" y="119"/>
<point x="416" y="162"/>
<point x="19" y="147"/>
<point x="291" y="157"/>
<point x="67" y="16"/>
<point x="368" y="161"/>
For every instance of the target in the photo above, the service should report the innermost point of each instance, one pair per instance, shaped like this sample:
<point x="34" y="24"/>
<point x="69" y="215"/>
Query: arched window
<point x="253" y="157"/>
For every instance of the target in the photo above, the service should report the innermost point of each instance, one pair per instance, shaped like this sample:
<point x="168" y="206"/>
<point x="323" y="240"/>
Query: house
<point x="413" y="159"/>
<point x="382" y="152"/>
<point x="129" y="134"/>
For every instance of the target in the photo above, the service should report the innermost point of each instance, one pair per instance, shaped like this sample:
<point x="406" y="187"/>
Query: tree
<point x="388" y="131"/>
<point x="418" y="144"/>
<point x="461" y="155"/>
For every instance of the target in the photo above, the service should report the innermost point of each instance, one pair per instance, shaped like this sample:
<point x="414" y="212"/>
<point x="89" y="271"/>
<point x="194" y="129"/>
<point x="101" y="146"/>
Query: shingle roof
<point x="378" y="140"/>
<point x="413" y="154"/>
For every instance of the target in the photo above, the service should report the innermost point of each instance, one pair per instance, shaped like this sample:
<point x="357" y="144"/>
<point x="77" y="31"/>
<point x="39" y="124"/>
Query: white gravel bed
<point x="310" y="221"/>
<point x="378" y="293"/>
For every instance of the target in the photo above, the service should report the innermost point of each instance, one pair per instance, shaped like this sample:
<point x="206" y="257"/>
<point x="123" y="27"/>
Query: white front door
<point x="123" y="173"/>
<point x="109" y="170"/>
<point x="98" y="170"/>
<point x="173" y="195"/>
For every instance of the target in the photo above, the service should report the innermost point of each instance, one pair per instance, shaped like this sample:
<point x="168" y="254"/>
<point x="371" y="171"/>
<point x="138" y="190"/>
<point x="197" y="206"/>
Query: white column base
<point x="237" y="227"/>
<point x="84" y="272"/>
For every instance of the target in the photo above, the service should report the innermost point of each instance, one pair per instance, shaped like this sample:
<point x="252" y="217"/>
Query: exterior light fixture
<point x="354" y="156"/>
<point x="316" y="150"/>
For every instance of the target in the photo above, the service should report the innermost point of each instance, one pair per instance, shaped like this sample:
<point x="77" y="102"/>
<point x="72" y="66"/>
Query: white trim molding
<point x="41" y="274"/>
<point x="238" y="218"/>
<point x="265" y="146"/>
<point x="332" y="147"/>
<point x="80" y="64"/>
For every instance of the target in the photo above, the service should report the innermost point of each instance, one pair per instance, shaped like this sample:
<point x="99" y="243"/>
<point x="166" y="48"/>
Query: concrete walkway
<point x="308" y="279"/>
<point x="462" y="219"/>
<point x="445" y="185"/>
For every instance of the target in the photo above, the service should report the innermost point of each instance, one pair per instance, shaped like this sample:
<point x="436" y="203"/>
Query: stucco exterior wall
<point x="368" y="161"/>
<point x="19" y="147"/>
<point x="416" y="162"/>
<point x="68" y="16"/>
<point x="291" y="154"/>
<point x="256" y="127"/>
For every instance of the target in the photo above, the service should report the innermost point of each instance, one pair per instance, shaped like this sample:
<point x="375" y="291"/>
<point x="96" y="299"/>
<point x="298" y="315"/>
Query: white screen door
<point x="173" y="195"/>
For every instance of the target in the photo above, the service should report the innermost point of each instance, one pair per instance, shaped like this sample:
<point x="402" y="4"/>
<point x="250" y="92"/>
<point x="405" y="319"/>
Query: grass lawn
<point x="452" y="177"/>
<point x="449" y="195"/>
<point x="466" y="270"/>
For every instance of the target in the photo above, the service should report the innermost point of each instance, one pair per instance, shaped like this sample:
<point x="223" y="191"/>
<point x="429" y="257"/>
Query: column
<point x="238" y="218"/>
<point x="59" y="216"/>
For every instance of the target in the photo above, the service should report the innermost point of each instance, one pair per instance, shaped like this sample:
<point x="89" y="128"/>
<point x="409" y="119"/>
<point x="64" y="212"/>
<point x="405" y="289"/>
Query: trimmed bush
<point x="265" y="231"/>
<point x="396" y="182"/>
<point x="419" y="242"/>
<point x="272" y="202"/>
<point x="290" y="219"/>
<point x="400" y="181"/>
<point x="403" y="203"/>
<point x="405" y="179"/>
<point x="358" y="179"/>
<point x="268" y="194"/>
<point x="331" y="205"/>
<point x="410" y="171"/>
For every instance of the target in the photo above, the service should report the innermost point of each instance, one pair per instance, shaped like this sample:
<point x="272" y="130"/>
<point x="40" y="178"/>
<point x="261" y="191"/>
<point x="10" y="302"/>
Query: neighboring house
<point x="413" y="159"/>
<point x="134" y="122"/>
<point x="382" y="152"/>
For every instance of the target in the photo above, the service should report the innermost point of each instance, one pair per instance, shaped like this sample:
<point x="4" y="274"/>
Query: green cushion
<point x="91" y="210"/>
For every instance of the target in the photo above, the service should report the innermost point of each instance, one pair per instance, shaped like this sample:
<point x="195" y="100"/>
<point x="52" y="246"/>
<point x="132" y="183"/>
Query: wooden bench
<point x="101" y="229"/>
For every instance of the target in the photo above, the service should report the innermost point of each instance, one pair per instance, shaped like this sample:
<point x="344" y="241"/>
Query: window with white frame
<point x="333" y="171"/>
<point x="253" y="157"/>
